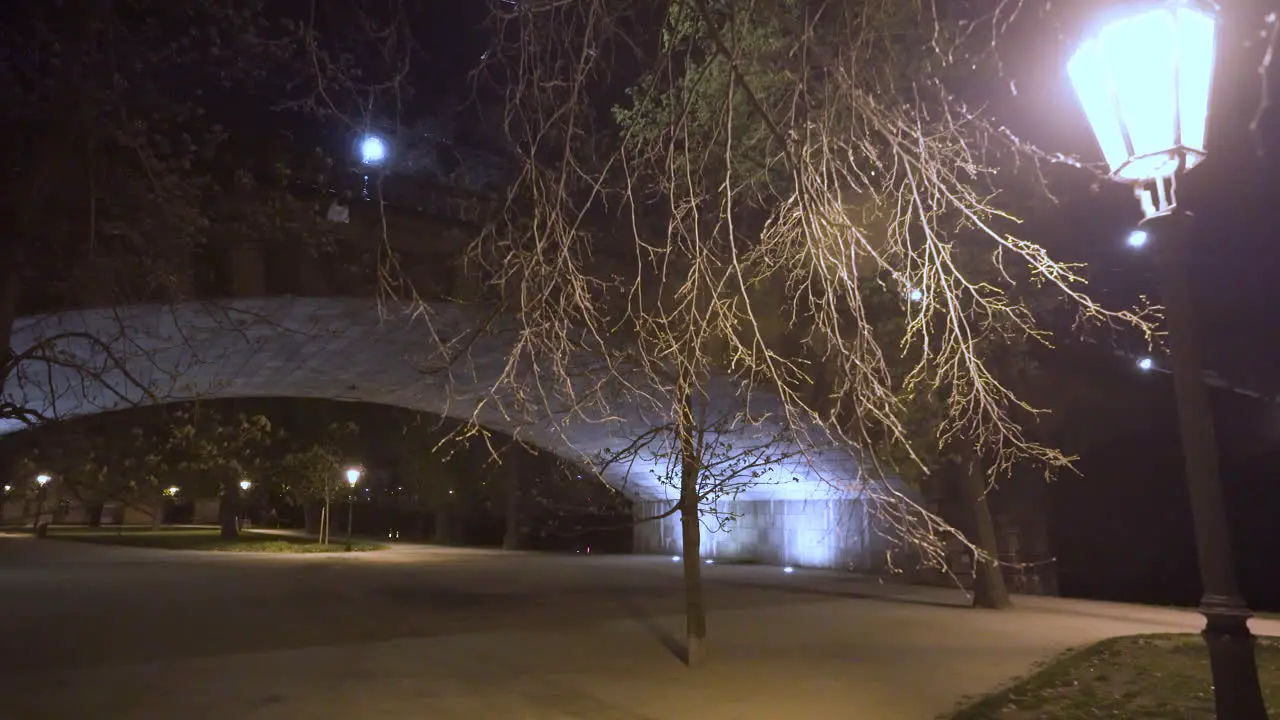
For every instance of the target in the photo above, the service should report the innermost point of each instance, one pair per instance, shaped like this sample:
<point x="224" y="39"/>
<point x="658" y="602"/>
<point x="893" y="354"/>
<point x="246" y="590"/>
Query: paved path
<point x="99" y="632"/>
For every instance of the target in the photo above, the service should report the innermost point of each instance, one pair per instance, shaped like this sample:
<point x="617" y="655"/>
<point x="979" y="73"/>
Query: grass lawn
<point x="1139" y="676"/>
<point x="204" y="539"/>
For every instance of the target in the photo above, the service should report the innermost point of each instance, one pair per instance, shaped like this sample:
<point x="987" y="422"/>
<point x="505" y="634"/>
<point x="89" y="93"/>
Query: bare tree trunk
<point x="989" y="590"/>
<point x="691" y="531"/>
<point x="229" y="508"/>
<point x="441" y="529"/>
<point x="6" y="468"/>
<point x="157" y="513"/>
<point x="8" y="315"/>
<point x="511" y="536"/>
<point x="311" y="517"/>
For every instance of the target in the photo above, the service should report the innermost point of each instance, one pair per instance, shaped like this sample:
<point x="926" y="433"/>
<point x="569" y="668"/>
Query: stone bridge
<point x="304" y="330"/>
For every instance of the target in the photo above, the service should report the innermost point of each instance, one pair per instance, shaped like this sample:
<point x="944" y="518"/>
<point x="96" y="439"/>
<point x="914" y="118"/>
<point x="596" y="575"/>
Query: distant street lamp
<point x="1145" y="80"/>
<point x="244" y="488"/>
<point x="373" y="150"/>
<point x="41" y="480"/>
<point x="353" y="477"/>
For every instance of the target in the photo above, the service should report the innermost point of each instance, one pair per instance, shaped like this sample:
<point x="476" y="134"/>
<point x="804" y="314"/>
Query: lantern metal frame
<point x="1156" y="191"/>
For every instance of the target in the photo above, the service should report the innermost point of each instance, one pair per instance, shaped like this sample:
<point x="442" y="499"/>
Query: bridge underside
<point x="809" y="510"/>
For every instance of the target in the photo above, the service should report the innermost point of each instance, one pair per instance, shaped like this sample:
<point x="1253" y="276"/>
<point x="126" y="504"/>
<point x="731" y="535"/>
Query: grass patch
<point x="1138" y="676"/>
<point x="205" y="539"/>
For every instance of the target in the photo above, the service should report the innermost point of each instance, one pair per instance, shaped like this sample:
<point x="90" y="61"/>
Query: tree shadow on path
<point x="652" y="626"/>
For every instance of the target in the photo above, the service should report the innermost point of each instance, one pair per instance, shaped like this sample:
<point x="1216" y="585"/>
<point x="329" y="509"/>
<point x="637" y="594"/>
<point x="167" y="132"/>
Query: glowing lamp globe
<point x="353" y="476"/>
<point x="373" y="150"/>
<point x="245" y="485"/>
<point x="1144" y="79"/>
<point x="41" y="480"/>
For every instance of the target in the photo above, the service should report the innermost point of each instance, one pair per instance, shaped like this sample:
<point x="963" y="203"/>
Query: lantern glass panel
<point x="1145" y="82"/>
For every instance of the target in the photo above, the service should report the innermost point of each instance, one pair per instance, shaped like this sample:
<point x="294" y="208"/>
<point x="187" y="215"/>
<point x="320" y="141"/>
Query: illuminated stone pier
<point x="821" y="533"/>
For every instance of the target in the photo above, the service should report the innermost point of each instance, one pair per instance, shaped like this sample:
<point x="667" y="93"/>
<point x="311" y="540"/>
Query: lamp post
<point x="41" y="481"/>
<point x="353" y="477"/>
<point x="324" y="513"/>
<point x="170" y="492"/>
<point x="1145" y="79"/>
<point x="374" y="151"/>
<point x="244" y="490"/>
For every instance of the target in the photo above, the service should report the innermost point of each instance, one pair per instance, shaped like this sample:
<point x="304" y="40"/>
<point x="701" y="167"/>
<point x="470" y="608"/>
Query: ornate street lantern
<point x="1145" y="77"/>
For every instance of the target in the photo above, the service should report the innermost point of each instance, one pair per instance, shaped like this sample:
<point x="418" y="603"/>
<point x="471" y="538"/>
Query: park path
<point x="149" y="634"/>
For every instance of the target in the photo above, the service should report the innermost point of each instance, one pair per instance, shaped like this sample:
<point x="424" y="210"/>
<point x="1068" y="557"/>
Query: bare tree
<point x="697" y="458"/>
<point x="309" y="462"/>
<point x="764" y="173"/>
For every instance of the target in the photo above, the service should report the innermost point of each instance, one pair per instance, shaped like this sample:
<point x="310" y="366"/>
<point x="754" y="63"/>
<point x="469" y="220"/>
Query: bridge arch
<point x="348" y="348"/>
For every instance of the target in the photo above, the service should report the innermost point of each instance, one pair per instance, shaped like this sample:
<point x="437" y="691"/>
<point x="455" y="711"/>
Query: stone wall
<point x="806" y="533"/>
